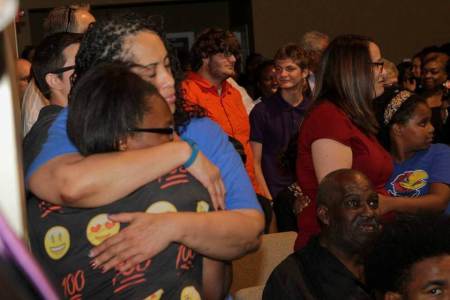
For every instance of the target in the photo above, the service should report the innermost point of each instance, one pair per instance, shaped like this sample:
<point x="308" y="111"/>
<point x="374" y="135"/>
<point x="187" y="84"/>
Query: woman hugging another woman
<point x="112" y="109"/>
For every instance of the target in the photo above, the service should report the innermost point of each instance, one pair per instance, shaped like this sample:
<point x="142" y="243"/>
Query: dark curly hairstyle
<point x="106" y="101"/>
<point x="402" y="244"/>
<point x="103" y="42"/>
<point x="212" y="41"/>
<point x="401" y="116"/>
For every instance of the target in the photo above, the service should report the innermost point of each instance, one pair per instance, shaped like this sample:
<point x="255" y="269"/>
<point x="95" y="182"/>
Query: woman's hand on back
<point x="146" y="236"/>
<point x="209" y="175"/>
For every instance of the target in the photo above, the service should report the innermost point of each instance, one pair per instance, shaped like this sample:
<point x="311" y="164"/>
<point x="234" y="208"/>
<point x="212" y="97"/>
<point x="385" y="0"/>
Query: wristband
<point x="194" y="153"/>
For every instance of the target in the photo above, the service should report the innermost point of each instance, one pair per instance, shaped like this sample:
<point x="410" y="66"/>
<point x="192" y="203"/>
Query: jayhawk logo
<point x="409" y="183"/>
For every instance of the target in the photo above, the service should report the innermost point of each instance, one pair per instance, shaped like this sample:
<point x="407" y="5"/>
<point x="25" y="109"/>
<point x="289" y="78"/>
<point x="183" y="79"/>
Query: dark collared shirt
<point x="314" y="273"/>
<point x="274" y="123"/>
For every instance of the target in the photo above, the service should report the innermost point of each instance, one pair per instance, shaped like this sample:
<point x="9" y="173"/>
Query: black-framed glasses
<point x="163" y="130"/>
<point x="62" y="70"/>
<point x="379" y="65"/>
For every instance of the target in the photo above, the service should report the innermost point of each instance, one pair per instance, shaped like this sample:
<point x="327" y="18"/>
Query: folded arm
<point x="436" y="201"/>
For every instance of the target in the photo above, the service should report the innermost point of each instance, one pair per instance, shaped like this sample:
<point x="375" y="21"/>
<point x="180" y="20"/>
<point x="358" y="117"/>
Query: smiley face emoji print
<point x="57" y="242"/>
<point x="100" y="228"/>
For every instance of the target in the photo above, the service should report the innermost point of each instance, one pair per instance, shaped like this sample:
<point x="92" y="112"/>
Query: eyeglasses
<point x="164" y="130"/>
<point x="379" y="65"/>
<point x="62" y="70"/>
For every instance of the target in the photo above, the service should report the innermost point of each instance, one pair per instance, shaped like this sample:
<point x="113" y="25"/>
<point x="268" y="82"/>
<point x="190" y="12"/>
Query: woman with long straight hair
<point x="339" y="131"/>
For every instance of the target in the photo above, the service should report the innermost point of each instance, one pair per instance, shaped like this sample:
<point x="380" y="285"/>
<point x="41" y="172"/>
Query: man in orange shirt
<point x="214" y="55"/>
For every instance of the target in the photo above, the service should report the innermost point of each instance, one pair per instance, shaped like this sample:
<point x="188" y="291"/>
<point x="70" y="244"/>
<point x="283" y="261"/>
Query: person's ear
<point x="205" y="59"/>
<point x="123" y="144"/>
<point x="392" y="296"/>
<point x="396" y="129"/>
<point x="53" y="81"/>
<point x="305" y="73"/>
<point x="323" y="215"/>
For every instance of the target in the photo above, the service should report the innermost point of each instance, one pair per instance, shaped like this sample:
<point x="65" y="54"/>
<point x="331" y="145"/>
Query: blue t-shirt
<point x="210" y="139"/>
<point x="413" y="177"/>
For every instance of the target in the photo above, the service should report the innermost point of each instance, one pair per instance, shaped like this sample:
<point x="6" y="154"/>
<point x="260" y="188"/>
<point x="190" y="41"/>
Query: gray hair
<point x="310" y="40"/>
<point x="63" y="19"/>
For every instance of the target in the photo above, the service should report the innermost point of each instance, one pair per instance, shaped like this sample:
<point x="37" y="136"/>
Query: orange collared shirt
<point x="225" y="109"/>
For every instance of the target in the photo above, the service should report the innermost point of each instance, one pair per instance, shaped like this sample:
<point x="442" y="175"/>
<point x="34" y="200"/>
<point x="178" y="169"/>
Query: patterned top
<point x="61" y="238"/>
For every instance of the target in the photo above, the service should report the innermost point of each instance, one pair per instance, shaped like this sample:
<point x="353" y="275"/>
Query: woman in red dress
<point x="339" y="131"/>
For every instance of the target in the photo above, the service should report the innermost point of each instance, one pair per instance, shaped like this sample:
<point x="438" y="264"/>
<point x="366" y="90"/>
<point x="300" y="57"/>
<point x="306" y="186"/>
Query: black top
<point x="314" y="273"/>
<point x="61" y="238"/>
<point x="37" y="136"/>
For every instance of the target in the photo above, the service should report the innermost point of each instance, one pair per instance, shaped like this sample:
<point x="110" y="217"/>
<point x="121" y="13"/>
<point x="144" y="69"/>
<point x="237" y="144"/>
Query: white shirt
<point x="32" y="102"/>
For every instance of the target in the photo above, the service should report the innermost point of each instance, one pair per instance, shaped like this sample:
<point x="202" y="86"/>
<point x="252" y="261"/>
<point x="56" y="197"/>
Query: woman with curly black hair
<point x="60" y="175"/>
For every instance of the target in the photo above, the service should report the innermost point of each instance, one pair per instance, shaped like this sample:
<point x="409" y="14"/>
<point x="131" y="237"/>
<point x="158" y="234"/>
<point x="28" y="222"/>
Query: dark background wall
<point x="401" y="27"/>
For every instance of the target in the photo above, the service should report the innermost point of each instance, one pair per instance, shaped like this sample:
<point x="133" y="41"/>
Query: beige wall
<point x="401" y="27"/>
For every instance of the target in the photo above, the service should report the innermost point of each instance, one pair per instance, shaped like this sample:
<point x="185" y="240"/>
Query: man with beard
<point x="214" y="56"/>
<point x="330" y="265"/>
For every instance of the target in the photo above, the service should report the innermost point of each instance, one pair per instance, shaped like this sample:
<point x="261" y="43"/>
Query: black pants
<point x="283" y="206"/>
<point x="267" y="209"/>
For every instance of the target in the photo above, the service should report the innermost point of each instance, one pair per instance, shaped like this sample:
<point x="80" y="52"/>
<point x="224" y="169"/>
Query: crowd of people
<point x="145" y="177"/>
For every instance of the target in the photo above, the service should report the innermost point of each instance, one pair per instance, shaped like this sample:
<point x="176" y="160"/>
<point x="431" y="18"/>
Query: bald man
<point x="23" y="67"/>
<point x="330" y="265"/>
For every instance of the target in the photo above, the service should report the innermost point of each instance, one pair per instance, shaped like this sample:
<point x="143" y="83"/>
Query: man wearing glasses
<point x="214" y="56"/>
<point x="52" y="68"/>
<point x="72" y="18"/>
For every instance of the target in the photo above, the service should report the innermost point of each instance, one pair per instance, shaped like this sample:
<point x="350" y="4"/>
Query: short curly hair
<point x="103" y="43"/>
<point x="402" y="244"/>
<point x="212" y="41"/>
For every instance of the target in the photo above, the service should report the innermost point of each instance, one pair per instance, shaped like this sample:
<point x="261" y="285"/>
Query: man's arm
<point x="257" y="156"/>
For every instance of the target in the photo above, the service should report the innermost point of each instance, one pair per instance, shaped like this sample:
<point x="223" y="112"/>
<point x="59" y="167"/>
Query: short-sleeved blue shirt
<point x="210" y="138"/>
<point x="413" y="177"/>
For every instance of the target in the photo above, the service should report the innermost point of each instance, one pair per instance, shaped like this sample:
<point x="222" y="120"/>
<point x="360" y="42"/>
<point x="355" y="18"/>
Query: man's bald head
<point x="332" y="185"/>
<point x="347" y="209"/>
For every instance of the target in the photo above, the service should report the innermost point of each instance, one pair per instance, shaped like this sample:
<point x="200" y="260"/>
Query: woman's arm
<point x="257" y="155"/>
<point x="217" y="277"/>
<point x="329" y="155"/>
<point x="74" y="180"/>
<point x="435" y="201"/>
<point x="220" y="235"/>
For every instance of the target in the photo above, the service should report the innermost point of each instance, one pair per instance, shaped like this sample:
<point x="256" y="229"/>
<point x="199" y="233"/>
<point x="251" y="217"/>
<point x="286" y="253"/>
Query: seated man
<point x="330" y="265"/>
<point x="411" y="259"/>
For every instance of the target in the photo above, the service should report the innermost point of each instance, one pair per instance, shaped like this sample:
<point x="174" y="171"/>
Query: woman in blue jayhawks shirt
<point x="421" y="174"/>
